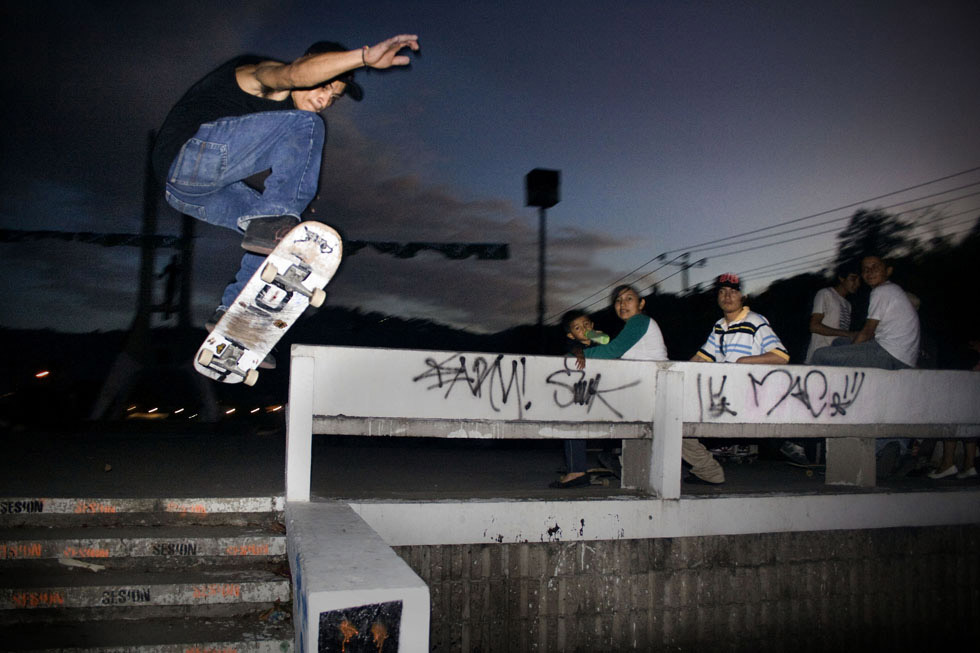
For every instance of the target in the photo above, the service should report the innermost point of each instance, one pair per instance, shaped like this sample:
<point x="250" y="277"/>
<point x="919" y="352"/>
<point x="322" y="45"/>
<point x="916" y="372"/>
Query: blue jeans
<point x="864" y="354"/>
<point x="205" y="180"/>
<point x="576" y="459"/>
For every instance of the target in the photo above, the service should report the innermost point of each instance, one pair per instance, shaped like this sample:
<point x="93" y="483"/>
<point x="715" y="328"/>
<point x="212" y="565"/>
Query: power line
<point x="848" y="217"/>
<point x="828" y="211"/>
<point x="704" y="245"/>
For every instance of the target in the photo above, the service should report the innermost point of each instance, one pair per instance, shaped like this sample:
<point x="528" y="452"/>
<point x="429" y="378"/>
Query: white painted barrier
<point x="341" y="564"/>
<point x="347" y="390"/>
<point x="350" y="589"/>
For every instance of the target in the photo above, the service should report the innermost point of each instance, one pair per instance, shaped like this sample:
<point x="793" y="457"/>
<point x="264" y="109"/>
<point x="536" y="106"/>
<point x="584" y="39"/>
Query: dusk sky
<point x="674" y="124"/>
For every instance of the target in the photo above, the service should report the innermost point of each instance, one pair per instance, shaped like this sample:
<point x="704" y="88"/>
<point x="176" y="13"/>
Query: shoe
<point x="611" y="462"/>
<point x="263" y="234"/>
<point x="949" y="471"/>
<point x="794" y="453"/>
<point x="968" y="473"/>
<point x="693" y="479"/>
<point x="268" y="363"/>
<point x="578" y="481"/>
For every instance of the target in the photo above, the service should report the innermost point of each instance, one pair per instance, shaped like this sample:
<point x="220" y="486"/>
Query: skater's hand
<point x="385" y="54"/>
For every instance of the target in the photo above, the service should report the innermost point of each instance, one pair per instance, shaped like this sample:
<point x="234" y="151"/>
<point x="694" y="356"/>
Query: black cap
<point x="353" y="90"/>
<point x="728" y="280"/>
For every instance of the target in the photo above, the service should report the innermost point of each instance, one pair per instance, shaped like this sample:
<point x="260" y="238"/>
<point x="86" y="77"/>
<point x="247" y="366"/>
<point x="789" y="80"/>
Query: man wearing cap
<point x="242" y="148"/>
<point x="741" y="336"/>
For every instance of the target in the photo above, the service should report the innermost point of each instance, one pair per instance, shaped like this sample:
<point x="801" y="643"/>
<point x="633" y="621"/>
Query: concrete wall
<point x="439" y="385"/>
<point x="872" y="590"/>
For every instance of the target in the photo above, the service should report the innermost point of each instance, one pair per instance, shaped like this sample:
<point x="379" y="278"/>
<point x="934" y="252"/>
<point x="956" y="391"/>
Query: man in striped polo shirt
<point x="742" y="335"/>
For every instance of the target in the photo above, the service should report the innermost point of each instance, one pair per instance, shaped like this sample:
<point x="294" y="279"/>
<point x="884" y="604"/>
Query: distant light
<point x="254" y="410"/>
<point x="153" y="410"/>
<point x="274" y="409"/>
<point x="41" y="375"/>
<point x="192" y="416"/>
<point x="229" y="411"/>
<point x="178" y="411"/>
<point x="131" y="408"/>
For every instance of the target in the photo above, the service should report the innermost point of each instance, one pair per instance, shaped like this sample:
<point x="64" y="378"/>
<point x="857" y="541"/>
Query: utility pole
<point x="542" y="191"/>
<point x="685" y="265"/>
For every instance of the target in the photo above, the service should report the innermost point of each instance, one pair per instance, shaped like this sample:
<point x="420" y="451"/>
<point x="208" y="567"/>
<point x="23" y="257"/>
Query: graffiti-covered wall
<point x="406" y="384"/>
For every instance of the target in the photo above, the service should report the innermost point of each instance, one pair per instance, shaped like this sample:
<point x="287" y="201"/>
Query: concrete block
<point x="851" y="461"/>
<point x="343" y="570"/>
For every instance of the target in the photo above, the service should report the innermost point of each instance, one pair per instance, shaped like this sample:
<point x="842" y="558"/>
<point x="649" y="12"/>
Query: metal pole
<point x="685" y="266"/>
<point x="542" y="237"/>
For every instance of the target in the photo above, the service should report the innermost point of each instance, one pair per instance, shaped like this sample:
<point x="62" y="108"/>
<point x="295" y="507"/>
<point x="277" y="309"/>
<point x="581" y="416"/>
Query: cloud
<point x="366" y="195"/>
<point x="94" y="79"/>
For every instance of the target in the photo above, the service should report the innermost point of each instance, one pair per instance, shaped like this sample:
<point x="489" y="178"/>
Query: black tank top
<point x="215" y="96"/>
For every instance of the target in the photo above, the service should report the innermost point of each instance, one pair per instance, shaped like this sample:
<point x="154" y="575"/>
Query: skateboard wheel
<point x="317" y="298"/>
<point x="251" y="377"/>
<point x="269" y="273"/>
<point x="205" y="357"/>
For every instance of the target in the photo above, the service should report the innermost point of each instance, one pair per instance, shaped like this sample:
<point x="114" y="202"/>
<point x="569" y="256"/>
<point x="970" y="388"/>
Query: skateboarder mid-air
<point x="254" y="116"/>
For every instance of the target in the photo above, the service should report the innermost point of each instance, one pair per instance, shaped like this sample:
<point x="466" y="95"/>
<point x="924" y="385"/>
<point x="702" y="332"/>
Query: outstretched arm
<point x="313" y="69"/>
<point x="385" y="54"/>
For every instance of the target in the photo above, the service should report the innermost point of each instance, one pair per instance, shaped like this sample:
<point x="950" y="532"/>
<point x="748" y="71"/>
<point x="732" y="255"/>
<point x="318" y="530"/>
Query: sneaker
<point x="949" y="471"/>
<point x="968" y="473"/>
<point x="611" y="462"/>
<point x="263" y="234"/>
<point x="794" y="453"/>
<point x="268" y="363"/>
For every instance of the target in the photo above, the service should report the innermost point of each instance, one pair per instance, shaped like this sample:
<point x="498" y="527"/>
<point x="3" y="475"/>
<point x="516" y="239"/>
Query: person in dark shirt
<point x="257" y="119"/>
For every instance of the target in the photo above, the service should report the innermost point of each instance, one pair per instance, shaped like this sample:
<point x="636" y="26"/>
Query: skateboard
<point x="291" y="278"/>
<point x="810" y="468"/>
<point x="602" y="476"/>
<point x="736" y="453"/>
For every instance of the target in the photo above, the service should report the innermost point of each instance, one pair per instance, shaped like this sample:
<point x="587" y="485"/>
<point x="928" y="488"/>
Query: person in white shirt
<point x="831" y="315"/>
<point x="890" y="336"/>
<point x="889" y="340"/>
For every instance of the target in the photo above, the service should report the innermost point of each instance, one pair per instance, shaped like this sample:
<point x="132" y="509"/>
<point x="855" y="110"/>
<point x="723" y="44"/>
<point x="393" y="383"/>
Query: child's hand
<point x="579" y="359"/>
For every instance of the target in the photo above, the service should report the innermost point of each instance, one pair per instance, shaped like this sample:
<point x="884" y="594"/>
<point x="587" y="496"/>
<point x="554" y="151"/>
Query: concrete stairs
<point x="157" y="575"/>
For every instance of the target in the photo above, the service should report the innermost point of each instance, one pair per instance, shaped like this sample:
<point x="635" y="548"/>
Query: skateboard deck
<point x="291" y="278"/>
<point x="808" y="468"/>
<point x="602" y="476"/>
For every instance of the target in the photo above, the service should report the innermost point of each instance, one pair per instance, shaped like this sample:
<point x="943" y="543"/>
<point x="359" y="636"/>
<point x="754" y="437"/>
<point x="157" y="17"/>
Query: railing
<point x="650" y="406"/>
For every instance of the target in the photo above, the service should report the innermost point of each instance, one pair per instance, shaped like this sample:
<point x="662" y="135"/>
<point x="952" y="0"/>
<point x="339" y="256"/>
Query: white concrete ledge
<point x="650" y="405"/>
<point x="482" y="522"/>
<point x="347" y="582"/>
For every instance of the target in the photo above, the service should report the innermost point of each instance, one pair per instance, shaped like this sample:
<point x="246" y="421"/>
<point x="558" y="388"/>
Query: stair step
<point x="29" y="589"/>
<point x="41" y="511"/>
<point x="267" y="631"/>
<point x="166" y="542"/>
